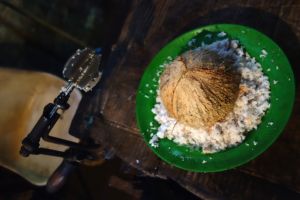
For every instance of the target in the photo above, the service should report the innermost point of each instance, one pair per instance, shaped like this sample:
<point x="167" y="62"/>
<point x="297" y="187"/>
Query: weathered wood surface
<point x="148" y="27"/>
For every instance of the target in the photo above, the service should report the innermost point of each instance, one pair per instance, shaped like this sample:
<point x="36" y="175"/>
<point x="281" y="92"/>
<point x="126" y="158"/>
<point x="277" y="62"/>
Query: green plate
<point x="275" y="65"/>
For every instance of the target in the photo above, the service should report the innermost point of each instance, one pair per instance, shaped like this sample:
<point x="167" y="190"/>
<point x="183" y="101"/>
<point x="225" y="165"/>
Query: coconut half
<point x="199" y="88"/>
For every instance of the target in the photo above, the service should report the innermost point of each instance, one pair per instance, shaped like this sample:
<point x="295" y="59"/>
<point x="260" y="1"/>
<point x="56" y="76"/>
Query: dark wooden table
<point x="149" y="25"/>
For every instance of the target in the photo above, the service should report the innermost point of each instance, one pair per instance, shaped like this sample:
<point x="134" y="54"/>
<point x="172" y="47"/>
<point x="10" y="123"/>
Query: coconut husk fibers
<point x="199" y="88"/>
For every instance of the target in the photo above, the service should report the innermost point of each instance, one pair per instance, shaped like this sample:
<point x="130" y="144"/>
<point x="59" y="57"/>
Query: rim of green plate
<point x="199" y="167"/>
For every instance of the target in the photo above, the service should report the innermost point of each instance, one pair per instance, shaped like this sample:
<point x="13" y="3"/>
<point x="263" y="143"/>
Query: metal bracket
<point x="82" y="71"/>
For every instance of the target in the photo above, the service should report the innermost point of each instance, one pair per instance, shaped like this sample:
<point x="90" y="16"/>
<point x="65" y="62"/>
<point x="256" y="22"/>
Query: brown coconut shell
<point x="199" y="88"/>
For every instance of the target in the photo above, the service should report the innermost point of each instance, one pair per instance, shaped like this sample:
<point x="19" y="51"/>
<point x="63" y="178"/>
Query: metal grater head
<point x="82" y="69"/>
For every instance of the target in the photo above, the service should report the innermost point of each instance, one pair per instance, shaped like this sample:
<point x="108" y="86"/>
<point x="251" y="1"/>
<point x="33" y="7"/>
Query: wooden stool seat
<point x="23" y="95"/>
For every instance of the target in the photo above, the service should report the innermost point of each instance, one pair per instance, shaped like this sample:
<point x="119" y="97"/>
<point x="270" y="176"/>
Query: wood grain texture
<point x="148" y="27"/>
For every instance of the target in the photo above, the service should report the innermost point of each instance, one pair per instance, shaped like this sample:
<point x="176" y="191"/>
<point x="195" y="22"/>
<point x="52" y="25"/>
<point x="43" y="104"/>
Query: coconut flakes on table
<point x="247" y="113"/>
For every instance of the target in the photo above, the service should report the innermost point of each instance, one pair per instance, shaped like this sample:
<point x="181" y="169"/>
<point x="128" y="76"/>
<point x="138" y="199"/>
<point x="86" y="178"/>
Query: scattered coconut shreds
<point x="255" y="143"/>
<point x="191" y="42"/>
<point x="239" y="51"/>
<point x="246" y="115"/>
<point x="137" y="161"/>
<point x="221" y="34"/>
<point x="182" y="158"/>
<point x="263" y="54"/>
<point x="154" y="141"/>
<point x="210" y="158"/>
<point x="277" y="68"/>
<point x="289" y="79"/>
<point x="146" y="96"/>
<point x="147" y="85"/>
<point x="268" y="69"/>
<point x="275" y="82"/>
<point x="208" y="35"/>
<point x="271" y="123"/>
<point x="234" y="44"/>
<point x="204" y="161"/>
<point x="247" y="144"/>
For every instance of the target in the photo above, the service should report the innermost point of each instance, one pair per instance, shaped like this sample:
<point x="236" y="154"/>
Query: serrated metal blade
<point x="82" y="69"/>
